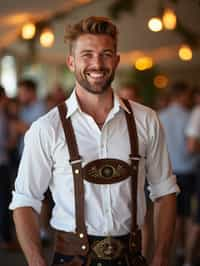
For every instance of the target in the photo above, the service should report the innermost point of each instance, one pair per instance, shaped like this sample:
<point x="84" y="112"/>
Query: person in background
<point x="58" y="94"/>
<point x="129" y="92"/>
<point x="95" y="220"/>
<point x="162" y="101"/>
<point x="30" y="107"/>
<point x="5" y="185"/>
<point x="193" y="143"/>
<point x="12" y="111"/>
<point x="174" y="119"/>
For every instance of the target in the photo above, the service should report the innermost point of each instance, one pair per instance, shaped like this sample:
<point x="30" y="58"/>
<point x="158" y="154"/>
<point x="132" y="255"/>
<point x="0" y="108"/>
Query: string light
<point x="169" y="19"/>
<point x="144" y="63"/>
<point x="160" y="81"/>
<point x="155" y="24"/>
<point x="47" y="37"/>
<point x="28" y="31"/>
<point x="185" y="53"/>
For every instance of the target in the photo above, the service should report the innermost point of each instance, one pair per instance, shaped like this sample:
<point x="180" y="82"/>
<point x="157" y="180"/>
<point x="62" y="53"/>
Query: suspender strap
<point x="134" y="157"/>
<point x="75" y="161"/>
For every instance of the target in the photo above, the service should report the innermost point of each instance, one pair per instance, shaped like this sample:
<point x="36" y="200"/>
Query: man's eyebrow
<point x="108" y="50"/>
<point x="86" y="51"/>
<point x="90" y="51"/>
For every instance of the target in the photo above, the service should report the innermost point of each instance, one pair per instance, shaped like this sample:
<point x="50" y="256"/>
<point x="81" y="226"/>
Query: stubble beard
<point x="95" y="88"/>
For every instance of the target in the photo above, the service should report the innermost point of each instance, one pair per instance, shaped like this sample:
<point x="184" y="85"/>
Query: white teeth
<point x="96" y="75"/>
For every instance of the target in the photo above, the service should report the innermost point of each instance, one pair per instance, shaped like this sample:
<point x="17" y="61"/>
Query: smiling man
<point x="94" y="152"/>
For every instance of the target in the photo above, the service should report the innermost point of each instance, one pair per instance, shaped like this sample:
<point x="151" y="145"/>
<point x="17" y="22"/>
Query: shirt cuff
<point x="166" y="187"/>
<point x="21" y="200"/>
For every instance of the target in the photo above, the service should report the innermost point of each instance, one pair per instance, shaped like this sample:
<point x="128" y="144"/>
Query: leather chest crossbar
<point x="106" y="171"/>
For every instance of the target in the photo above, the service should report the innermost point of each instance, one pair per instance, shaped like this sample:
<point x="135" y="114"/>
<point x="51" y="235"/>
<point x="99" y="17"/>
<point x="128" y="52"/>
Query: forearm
<point x="165" y="219"/>
<point x="28" y="233"/>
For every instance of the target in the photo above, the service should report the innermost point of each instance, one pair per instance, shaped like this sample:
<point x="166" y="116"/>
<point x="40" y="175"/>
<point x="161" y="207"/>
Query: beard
<point x="98" y="86"/>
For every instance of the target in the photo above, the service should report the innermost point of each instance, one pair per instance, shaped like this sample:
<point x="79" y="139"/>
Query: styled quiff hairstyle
<point x="90" y="25"/>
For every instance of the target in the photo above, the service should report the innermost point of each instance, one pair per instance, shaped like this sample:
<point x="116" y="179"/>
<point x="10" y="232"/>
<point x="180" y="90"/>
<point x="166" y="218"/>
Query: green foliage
<point x="141" y="79"/>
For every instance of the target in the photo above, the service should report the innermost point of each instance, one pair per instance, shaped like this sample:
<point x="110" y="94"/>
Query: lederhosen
<point x="79" y="248"/>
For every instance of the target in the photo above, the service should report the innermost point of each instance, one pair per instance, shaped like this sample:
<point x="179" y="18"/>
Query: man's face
<point x="93" y="62"/>
<point x="25" y="95"/>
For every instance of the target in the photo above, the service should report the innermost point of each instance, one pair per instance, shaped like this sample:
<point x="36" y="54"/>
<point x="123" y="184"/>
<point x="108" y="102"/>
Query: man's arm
<point x="27" y="228"/>
<point x="165" y="219"/>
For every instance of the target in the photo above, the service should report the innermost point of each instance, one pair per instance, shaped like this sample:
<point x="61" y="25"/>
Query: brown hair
<point x="91" y="25"/>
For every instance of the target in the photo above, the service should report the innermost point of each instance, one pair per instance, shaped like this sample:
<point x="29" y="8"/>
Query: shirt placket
<point x="106" y="192"/>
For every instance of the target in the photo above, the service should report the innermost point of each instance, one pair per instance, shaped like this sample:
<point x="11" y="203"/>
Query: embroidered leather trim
<point x="106" y="171"/>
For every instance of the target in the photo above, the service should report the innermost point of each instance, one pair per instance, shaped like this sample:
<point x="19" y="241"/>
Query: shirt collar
<point x="73" y="105"/>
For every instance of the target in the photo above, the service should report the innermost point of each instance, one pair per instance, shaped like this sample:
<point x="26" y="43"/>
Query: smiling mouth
<point x="96" y="75"/>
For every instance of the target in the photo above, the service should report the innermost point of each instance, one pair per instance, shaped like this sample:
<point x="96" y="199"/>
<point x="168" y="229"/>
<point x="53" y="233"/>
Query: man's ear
<point x="117" y="60"/>
<point x="70" y="62"/>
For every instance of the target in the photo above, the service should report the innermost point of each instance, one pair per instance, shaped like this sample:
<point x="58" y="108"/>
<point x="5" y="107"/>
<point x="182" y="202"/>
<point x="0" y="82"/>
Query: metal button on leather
<point x="83" y="247"/>
<point x="76" y="171"/>
<point x="81" y="235"/>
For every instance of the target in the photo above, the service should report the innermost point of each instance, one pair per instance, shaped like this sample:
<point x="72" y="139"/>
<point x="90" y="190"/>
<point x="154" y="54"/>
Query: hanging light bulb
<point x="169" y="19"/>
<point x="144" y="63"/>
<point x="28" y="31"/>
<point x="160" y="81"/>
<point x="47" y="37"/>
<point x="185" y="53"/>
<point x="155" y="24"/>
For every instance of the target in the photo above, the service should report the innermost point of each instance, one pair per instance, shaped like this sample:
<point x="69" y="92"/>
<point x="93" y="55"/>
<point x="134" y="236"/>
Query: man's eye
<point x="87" y="55"/>
<point x="107" y="54"/>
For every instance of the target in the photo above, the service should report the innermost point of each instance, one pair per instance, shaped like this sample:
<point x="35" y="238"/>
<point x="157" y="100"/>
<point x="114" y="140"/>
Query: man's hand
<point x="160" y="261"/>
<point x="38" y="261"/>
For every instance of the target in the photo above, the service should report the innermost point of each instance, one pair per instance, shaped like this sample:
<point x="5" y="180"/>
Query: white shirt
<point x="193" y="128"/>
<point x="45" y="161"/>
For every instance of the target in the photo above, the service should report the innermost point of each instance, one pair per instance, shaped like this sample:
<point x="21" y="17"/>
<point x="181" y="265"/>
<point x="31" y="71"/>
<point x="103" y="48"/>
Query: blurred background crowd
<point x="159" y="43"/>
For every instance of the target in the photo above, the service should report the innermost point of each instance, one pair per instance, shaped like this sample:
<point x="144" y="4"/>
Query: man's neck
<point x="96" y="105"/>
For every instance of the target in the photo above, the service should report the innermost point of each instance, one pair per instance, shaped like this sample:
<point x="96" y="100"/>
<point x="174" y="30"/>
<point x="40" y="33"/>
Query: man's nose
<point x="98" y="61"/>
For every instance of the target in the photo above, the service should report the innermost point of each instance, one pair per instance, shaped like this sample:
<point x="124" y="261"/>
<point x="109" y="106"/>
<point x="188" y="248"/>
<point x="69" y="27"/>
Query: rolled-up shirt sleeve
<point x="158" y="167"/>
<point x="35" y="169"/>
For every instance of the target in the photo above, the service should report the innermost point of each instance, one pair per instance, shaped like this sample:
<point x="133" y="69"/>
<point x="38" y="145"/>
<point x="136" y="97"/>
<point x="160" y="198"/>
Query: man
<point x="175" y="119"/>
<point x="98" y="233"/>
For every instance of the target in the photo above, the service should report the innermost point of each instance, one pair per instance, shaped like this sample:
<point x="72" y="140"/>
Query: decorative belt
<point x="108" y="248"/>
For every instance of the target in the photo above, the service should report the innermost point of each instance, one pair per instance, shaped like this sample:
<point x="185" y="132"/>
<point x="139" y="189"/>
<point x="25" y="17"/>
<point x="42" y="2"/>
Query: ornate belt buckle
<point x="108" y="248"/>
<point x="107" y="171"/>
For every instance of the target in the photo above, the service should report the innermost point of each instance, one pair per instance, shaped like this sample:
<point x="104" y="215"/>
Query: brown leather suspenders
<point x="135" y="238"/>
<point x="75" y="160"/>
